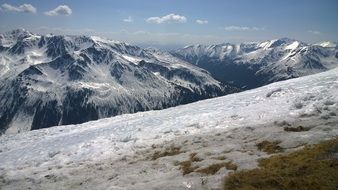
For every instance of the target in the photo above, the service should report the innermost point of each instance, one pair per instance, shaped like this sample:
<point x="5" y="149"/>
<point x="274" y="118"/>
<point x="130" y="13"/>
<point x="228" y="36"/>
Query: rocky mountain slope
<point x="49" y="80"/>
<point x="249" y="65"/>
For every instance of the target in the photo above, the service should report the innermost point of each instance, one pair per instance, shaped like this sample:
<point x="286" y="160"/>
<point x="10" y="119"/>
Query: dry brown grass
<point x="214" y="168"/>
<point x="170" y="151"/>
<point x="220" y="158"/>
<point x="194" y="158"/>
<point x="312" y="168"/>
<point x="269" y="147"/>
<point x="186" y="166"/>
<point x="296" y="129"/>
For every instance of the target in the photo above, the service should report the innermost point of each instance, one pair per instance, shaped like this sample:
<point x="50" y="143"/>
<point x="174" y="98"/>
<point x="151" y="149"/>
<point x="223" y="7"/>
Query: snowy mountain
<point x="49" y="80"/>
<point x="327" y="44"/>
<point x="249" y="65"/>
<point x="171" y="148"/>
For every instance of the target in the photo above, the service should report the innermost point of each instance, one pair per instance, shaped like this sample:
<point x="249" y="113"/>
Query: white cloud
<point x="201" y="21"/>
<point x="26" y="8"/>
<point x="314" y="32"/>
<point x="129" y="19"/>
<point x="242" y="28"/>
<point x="60" y="10"/>
<point x="170" y="18"/>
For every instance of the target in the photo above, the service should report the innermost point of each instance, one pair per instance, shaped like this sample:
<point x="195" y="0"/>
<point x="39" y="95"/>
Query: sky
<point x="170" y="23"/>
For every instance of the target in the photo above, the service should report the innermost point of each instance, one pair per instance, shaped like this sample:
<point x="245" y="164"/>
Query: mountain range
<point x="49" y="80"/>
<point x="250" y="65"/>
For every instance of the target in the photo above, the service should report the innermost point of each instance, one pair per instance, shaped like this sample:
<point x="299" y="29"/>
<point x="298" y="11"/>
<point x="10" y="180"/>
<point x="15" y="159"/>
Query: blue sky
<point x="174" y="22"/>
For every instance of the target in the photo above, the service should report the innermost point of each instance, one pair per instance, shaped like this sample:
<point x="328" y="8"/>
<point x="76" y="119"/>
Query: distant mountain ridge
<point x="250" y="65"/>
<point x="49" y="80"/>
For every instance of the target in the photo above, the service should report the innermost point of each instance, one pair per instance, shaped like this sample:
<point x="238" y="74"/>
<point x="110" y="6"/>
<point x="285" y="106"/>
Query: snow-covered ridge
<point x="123" y="142"/>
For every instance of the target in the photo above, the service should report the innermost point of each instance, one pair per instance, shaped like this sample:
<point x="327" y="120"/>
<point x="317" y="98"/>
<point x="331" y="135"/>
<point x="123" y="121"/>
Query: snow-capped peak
<point x="327" y="44"/>
<point x="103" y="40"/>
<point x="292" y="46"/>
<point x="18" y="32"/>
<point x="10" y="38"/>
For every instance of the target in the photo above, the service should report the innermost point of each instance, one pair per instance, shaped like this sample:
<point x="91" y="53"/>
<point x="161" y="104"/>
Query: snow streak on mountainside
<point x="56" y="80"/>
<point x="128" y="151"/>
<point x="249" y="65"/>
